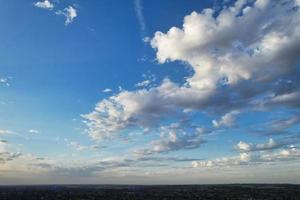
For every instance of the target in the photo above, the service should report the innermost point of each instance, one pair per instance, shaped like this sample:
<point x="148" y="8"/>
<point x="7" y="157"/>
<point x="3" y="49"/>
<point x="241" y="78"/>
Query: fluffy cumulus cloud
<point x="269" y="151"/>
<point x="245" y="65"/>
<point x="232" y="71"/>
<point x="288" y="154"/>
<point x="46" y="4"/>
<point x="269" y="145"/>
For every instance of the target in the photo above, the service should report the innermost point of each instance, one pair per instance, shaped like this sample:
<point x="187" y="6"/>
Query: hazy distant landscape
<point x="187" y="192"/>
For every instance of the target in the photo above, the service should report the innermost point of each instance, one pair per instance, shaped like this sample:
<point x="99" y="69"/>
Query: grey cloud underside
<point x="175" y="137"/>
<point x="96" y="167"/>
<point x="278" y="126"/>
<point x="8" y="156"/>
<point x="244" y="56"/>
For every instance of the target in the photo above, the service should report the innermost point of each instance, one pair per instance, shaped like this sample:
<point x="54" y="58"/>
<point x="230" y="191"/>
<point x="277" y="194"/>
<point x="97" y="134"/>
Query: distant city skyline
<point x="149" y="92"/>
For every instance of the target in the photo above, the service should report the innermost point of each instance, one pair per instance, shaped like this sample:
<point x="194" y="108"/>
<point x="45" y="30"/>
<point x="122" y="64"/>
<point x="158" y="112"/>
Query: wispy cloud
<point x="5" y="132"/>
<point x="70" y="13"/>
<point x="5" y="81"/>
<point x="138" y="7"/>
<point x="33" y="131"/>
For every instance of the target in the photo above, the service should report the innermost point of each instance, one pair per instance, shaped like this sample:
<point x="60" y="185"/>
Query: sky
<point x="149" y="92"/>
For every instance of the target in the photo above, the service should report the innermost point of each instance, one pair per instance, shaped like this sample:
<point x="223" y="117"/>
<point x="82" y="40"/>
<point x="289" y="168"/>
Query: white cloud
<point x="140" y="108"/>
<point x="233" y="70"/>
<point x="5" y="81"/>
<point x="70" y="13"/>
<point x="251" y="158"/>
<point x="33" y="131"/>
<point x="107" y="90"/>
<point x="144" y="83"/>
<point x="46" y="4"/>
<point x="5" y="132"/>
<point x="149" y="79"/>
<point x="219" y="54"/>
<point x="228" y="120"/>
<point x="245" y="147"/>
<point x="282" y="149"/>
<point x="269" y="145"/>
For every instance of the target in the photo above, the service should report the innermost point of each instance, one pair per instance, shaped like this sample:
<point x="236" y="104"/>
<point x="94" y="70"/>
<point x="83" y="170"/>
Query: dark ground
<point x="186" y="192"/>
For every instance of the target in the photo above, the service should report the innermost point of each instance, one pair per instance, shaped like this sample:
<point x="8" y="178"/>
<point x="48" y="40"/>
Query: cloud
<point x="46" y="4"/>
<point x="5" y="155"/>
<point x="289" y="98"/>
<point x="5" y="132"/>
<point x="278" y="126"/>
<point x="144" y="83"/>
<point x="269" y="145"/>
<point x="5" y="81"/>
<point x="232" y="71"/>
<point x="141" y="108"/>
<point x="149" y="79"/>
<point x="3" y="146"/>
<point x="251" y="159"/>
<point x="173" y="138"/>
<point x="33" y="131"/>
<point x="87" y="168"/>
<point x="138" y="7"/>
<point x="79" y="147"/>
<point x="245" y="147"/>
<point x="246" y="65"/>
<point x="107" y="90"/>
<point x="70" y="13"/>
<point x="228" y="120"/>
<point x="281" y="149"/>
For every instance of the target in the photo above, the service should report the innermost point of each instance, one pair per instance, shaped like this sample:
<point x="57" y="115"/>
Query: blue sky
<point x="140" y="91"/>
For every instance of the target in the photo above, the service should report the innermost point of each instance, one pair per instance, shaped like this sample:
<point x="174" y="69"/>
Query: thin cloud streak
<point x="138" y="7"/>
